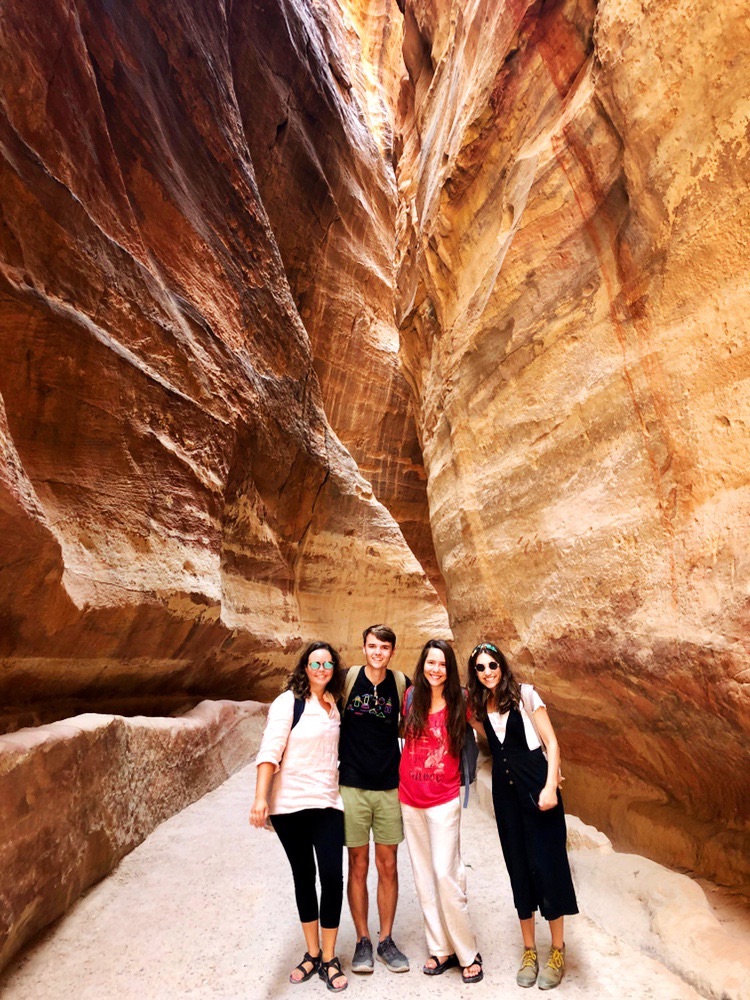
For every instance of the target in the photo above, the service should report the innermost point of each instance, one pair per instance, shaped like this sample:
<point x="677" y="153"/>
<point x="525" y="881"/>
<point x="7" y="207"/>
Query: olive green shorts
<point x="365" y="810"/>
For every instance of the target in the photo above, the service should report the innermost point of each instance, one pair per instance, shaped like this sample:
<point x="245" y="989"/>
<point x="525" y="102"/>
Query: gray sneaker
<point x="362" y="961"/>
<point x="529" y="969"/>
<point x="389" y="954"/>
<point x="552" y="973"/>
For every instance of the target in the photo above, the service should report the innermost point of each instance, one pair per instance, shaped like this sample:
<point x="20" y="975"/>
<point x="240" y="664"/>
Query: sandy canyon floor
<point x="204" y="909"/>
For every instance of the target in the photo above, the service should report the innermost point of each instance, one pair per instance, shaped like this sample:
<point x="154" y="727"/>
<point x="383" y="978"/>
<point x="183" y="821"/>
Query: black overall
<point x="533" y="840"/>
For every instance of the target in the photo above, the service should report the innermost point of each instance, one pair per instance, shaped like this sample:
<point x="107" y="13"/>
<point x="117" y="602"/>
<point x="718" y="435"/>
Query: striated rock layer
<point x="176" y="513"/>
<point x="574" y="302"/>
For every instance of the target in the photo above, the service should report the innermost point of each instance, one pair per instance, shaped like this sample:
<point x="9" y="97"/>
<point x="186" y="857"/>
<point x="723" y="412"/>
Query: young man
<point x="368" y="772"/>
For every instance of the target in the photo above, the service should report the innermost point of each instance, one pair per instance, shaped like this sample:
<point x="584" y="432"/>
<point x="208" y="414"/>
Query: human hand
<point x="547" y="798"/>
<point x="259" y="813"/>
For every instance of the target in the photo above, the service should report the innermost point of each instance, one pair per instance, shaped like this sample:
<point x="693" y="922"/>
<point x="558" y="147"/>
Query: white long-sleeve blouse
<point x="305" y="759"/>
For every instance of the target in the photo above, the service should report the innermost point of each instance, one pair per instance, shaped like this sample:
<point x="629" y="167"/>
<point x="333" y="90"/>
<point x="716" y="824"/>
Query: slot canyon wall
<point x="573" y="295"/>
<point x="316" y="312"/>
<point x="177" y="511"/>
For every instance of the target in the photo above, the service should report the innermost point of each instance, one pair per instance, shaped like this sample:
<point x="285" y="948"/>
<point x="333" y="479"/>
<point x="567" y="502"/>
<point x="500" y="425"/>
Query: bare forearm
<point x="259" y="810"/>
<point x="553" y="764"/>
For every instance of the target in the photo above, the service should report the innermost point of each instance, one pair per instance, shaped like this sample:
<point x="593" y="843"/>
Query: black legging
<point x="321" y="830"/>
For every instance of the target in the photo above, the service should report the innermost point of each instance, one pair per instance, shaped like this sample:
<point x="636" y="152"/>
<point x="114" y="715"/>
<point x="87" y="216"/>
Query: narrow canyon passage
<point x="204" y="909"/>
<point x="316" y="313"/>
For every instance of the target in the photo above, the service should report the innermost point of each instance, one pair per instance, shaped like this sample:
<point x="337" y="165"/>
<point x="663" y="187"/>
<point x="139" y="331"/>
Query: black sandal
<point x="451" y="962"/>
<point x="306" y="975"/>
<point x="477" y="978"/>
<point x="324" y="971"/>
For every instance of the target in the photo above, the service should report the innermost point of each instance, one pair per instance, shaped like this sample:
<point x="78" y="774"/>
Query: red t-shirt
<point x="429" y="774"/>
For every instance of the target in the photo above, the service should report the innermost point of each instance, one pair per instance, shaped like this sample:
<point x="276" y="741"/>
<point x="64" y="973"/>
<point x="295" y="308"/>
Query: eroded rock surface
<point x="574" y="297"/>
<point x="232" y="236"/>
<point x="79" y="795"/>
<point x="176" y="513"/>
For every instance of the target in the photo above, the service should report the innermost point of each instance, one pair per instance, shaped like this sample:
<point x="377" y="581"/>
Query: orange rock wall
<point x="308" y="309"/>
<point x="574" y="301"/>
<point x="176" y="512"/>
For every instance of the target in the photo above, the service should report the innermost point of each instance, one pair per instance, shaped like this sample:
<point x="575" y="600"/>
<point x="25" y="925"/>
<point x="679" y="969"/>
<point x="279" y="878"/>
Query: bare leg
<point x="387" y="865"/>
<point x="557" y="932"/>
<point x="527" y="932"/>
<point x="328" y="936"/>
<point x="356" y="888"/>
<point x="310" y="930"/>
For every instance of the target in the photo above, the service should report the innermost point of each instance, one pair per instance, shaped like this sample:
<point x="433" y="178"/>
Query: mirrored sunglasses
<point x="325" y="665"/>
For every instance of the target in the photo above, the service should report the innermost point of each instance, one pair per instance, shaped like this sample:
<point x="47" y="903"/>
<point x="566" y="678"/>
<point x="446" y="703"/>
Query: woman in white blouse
<point x="528" y="805"/>
<point x="300" y="746"/>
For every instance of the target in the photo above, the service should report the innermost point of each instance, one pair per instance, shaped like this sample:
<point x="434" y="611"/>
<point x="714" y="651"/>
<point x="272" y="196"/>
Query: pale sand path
<point x="204" y="909"/>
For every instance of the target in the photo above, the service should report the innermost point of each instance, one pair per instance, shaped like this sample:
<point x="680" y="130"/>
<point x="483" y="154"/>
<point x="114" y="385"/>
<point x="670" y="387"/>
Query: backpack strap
<point x="299" y="708"/>
<point x="349" y="681"/>
<point x="400" y="679"/>
<point x="408" y="700"/>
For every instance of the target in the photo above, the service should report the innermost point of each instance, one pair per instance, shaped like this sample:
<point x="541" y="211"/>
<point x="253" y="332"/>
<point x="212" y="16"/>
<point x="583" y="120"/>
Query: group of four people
<point x="330" y="772"/>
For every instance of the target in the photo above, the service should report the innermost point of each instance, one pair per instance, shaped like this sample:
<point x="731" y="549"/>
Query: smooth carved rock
<point x="77" y="796"/>
<point x="573" y="296"/>
<point x="176" y="513"/>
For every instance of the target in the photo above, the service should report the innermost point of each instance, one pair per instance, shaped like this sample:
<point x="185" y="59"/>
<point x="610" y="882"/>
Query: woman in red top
<point x="429" y="791"/>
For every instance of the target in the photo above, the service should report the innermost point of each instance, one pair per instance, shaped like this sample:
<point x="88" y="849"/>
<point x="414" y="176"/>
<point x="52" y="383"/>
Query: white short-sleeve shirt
<point x="531" y="702"/>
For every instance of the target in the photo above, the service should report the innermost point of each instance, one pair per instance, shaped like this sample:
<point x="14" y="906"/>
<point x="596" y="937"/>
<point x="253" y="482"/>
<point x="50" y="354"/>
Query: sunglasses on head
<point x="325" y="665"/>
<point x="481" y="667"/>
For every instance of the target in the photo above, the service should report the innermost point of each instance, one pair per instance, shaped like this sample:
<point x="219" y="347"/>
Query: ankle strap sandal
<point x="329" y="978"/>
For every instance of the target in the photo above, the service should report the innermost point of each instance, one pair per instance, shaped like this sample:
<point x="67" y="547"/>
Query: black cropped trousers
<point x="307" y="835"/>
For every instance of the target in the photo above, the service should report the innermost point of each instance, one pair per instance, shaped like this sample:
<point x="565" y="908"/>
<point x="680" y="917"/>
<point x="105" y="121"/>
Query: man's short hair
<point x="381" y="632"/>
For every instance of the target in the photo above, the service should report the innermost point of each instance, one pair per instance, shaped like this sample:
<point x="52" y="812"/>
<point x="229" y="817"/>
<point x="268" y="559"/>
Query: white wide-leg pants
<point x="433" y="837"/>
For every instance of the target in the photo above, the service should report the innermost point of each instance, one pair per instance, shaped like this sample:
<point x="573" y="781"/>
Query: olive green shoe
<point x="552" y="973"/>
<point x="529" y="968"/>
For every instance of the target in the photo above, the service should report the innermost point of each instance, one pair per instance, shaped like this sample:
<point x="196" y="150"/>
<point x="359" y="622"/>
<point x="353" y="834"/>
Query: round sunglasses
<point x="325" y="665"/>
<point x="481" y="667"/>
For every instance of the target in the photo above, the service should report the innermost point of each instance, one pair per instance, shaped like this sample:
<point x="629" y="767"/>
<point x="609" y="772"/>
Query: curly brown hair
<point x="299" y="683"/>
<point x="416" y="718"/>
<point x="506" y="694"/>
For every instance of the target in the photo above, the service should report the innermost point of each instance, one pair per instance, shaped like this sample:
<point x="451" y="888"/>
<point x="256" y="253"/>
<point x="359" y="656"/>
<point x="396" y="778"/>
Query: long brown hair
<point x="416" y="718"/>
<point x="299" y="683"/>
<point x="507" y="693"/>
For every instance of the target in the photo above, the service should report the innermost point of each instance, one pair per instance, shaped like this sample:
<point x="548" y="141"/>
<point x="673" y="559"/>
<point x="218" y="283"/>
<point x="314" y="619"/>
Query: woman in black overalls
<point x="528" y="805"/>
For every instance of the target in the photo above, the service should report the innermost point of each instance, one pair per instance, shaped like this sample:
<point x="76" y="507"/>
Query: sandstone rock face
<point x="176" y="512"/>
<point x="574" y="301"/>
<point x="267" y="269"/>
<point x="316" y="88"/>
<point x="78" y="795"/>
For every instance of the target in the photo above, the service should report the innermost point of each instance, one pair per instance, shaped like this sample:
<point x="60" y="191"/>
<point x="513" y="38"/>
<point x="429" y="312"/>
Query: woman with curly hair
<point x="434" y="730"/>
<point x="300" y="745"/>
<point x="528" y="806"/>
